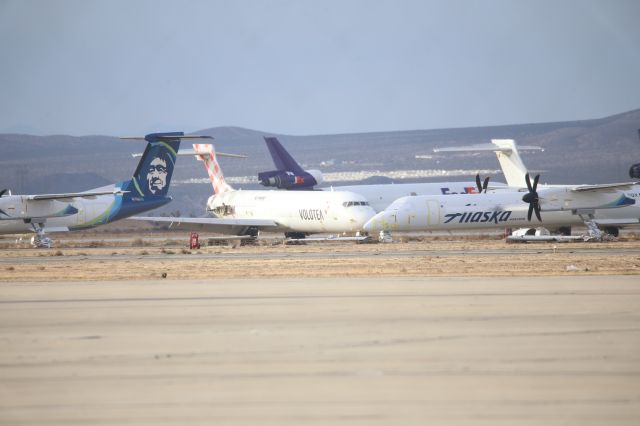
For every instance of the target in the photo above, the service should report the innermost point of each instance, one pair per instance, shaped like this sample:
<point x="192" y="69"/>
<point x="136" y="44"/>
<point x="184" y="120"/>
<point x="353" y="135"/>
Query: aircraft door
<point x="433" y="212"/>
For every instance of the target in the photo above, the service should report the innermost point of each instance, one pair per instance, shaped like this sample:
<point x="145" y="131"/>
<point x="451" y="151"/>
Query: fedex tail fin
<point x="289" y="174"/>
<point x="281" y="158"/>
<point x="207" y="154"/>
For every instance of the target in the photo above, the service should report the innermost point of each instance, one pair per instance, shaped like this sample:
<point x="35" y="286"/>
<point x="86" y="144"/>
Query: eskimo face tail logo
<point x="157" y="175"/>
<point x="153" y="174"/>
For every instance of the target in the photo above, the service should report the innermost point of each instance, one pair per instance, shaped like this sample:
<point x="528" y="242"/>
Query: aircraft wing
<point x="69" y="195"/>
<point x="221" y="226"/>
<point x="605" y="186"/>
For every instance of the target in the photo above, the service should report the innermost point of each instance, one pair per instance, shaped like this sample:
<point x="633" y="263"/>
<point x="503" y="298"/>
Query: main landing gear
<point x="40" y="240"/>
<point x="595" y="233"/>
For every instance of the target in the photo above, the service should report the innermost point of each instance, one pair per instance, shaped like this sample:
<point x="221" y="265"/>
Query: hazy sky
<point x="312" y="67"/>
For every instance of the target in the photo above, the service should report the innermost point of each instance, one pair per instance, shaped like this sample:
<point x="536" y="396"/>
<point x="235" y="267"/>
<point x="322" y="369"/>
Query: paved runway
<point x="19" y="257"/>
<point x="499" y="351"/>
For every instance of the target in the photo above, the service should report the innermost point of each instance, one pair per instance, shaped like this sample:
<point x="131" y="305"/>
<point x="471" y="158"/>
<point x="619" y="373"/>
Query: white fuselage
<point x="381" y="196"/>
<point x="494" y="209"/>
<point x="296" y="211"/>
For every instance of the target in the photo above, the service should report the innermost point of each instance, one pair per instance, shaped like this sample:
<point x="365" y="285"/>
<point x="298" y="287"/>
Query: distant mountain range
<point x="587" y="151"/>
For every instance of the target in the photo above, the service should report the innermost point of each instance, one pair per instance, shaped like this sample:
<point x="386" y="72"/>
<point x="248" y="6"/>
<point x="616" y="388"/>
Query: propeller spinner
<point x="532" y="197"/>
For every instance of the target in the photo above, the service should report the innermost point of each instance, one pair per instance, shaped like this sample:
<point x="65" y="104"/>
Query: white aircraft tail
<point x="506" y="150"/>
<point x="207" y="154"/>
<point x="512" y="166"/>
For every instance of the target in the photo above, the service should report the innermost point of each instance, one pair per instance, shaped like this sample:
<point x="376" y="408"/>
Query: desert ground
<point x="146" y="256"/>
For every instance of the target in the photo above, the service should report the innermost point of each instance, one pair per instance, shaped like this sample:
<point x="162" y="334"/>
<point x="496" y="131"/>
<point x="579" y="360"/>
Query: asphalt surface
<point x="368" y="351"/>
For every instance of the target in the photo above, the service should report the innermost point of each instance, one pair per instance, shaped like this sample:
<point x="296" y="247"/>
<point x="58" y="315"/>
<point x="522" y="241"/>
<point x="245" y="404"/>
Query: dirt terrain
<point x="114" y="257"/>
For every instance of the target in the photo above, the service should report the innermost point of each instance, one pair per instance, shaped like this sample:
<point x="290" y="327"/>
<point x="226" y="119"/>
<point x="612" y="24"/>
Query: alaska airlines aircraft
<point x="290" y="175"/>
<point x="515" y="173"/>
<point x="297" y="214"/>
<point x="567" y="205"/>
<point x="147" y="190"/>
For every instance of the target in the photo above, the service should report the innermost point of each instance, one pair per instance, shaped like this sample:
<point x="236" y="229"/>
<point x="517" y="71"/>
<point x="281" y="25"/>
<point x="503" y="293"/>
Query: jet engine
<point x="289" y="180"/>
<point x="634" y="171"/>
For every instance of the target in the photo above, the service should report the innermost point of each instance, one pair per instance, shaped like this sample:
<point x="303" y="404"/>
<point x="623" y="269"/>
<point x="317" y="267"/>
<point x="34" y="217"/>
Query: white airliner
<point x="296" y="213"/>
<point x="562" y="205"/>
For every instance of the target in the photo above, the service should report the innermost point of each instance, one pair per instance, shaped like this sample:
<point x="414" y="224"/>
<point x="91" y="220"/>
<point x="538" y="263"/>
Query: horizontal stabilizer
<point x="193" y="152"/>
<point x="166" y="137"/>
<point x="218" y="154"/>
<point x="488" y="147"/>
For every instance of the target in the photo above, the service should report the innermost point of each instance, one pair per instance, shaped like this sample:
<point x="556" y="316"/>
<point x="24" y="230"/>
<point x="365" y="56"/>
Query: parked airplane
<point x="290" y="175"/>
<point x="297" y="214"/>
<point x="515" y="172"/>
<point x="566" y="205"/>
<point x="147" y="190"/>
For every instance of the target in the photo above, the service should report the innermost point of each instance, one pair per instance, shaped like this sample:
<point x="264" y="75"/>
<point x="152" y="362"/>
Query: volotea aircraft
<point x="146" y="190"/>
<point x="297" y="214"/>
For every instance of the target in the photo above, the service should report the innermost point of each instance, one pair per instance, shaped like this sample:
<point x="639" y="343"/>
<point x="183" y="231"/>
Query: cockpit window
<point x="355" y="203"/>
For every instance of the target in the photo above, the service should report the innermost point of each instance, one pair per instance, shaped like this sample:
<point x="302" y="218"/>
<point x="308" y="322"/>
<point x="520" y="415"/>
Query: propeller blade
<point x="536" y="208"/>
<point x="530" y="212"/>
<point x="528" y="180"/>
<point x="535" y="182"/>
<point x="485" y="184"/>
<point x="479" y="186"/>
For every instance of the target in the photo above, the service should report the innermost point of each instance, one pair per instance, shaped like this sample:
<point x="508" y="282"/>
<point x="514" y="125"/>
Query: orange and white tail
<point x="206" y="154"/>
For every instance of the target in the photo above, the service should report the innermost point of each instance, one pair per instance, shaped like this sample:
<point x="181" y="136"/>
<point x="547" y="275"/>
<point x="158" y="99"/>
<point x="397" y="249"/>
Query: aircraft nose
<point x="375" y="224"/>
<point x="362" y="216"/>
